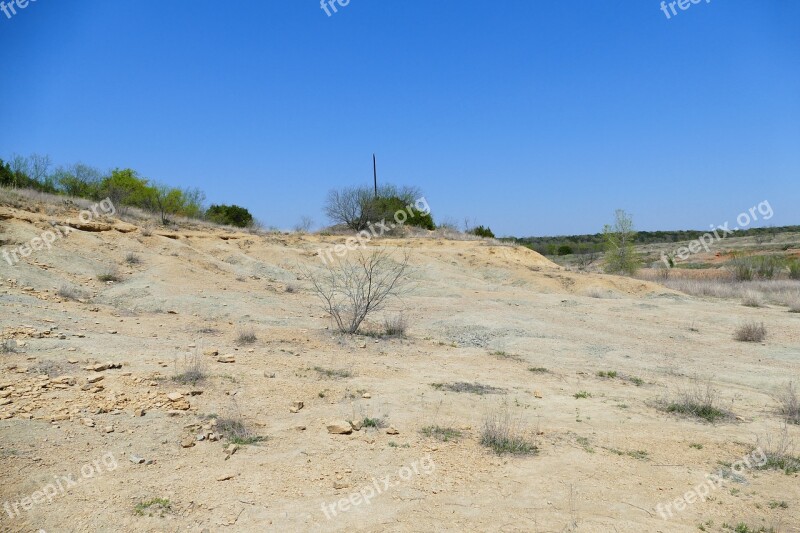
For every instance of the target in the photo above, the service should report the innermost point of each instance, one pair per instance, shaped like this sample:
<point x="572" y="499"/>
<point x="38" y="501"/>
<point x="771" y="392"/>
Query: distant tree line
<point x="584" y="244"/>
<point x="125" y="187"/>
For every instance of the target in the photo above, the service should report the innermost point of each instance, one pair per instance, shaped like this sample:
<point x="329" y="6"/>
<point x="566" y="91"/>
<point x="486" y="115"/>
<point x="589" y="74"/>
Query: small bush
<point x="607" y="374"/>
<point x="752" y="300"/>
<point x="503" y="435"/>
<point x="51" y="369"/>
<point x="157" y="506"/>
<point x="246" y="336"/>
<point x="700" y="400"/>
<point x="329" y="373"/>
<point x="146" y="231"/>
<point x="474" y="388"/>
<point x="779" y="452"/>
<point x="132" y="259"/>
<point x="538" y="370"/>
<point x="582" y="395"/>
<point x="481" y="231"/>
<point x="235" y="431"/>
<point x="110" y="274"/>
<point x="8" y="346"/>
<point x="229" y="215"/>
<point x="71" y="293"/>
<point x="789" y="403"/>
<point x="395" y="326"/>
<point x="794" y="269"/>
<point x="444" y="434"/>
<point x="375" y="423"/>
<point x="191" y="371"/>
<point x="751" y="332"/>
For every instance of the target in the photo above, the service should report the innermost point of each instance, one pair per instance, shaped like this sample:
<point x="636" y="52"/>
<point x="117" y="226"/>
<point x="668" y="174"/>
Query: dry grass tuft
<point x="505" y="435"/>
<point x="751" y="332"/>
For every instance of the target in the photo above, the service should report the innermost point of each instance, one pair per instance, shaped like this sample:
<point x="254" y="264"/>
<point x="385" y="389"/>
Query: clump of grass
<point x="8" y="346"/>
<point x="751" y="332"/>
<point x="132" y="259"/>
<point x="462" y="386"/>
<point x="696" y="446"/>
<point x="774" y="504"/>
<point x="607" y="374"/>
<point x="700" y="400"/>
<point x="51" y="368"/>
<point x="444" y="434"/>
<point x="582" y="395"/>
<point x="789" y="403"/>
<point x="246" y="336"/>
<point x="109" y="274"/>
<point x="779" y="452"/>
<point x="395" y="326"/>
<point x="146" y="231"/>
<point x="538" y="370"/>
<point x="191" y="371"/>
<point x="752" y="299"/>
<point x="71" y="293"/>
<point x="158" y="506"/>
<point x="291" y="289"/>
<point x="235" y="431"/>
<point x="375" y="423"/>
<point x="333" y="373"/>
<point x="504" y="435"/>
<point x="795" y="307"/>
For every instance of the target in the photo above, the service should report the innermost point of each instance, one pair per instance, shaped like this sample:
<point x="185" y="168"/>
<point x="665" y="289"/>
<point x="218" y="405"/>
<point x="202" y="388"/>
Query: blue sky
<point x="532" y="117"/>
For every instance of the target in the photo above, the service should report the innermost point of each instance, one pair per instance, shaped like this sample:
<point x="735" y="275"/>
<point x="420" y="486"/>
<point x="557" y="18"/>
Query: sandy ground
<point x="604" y="462"/>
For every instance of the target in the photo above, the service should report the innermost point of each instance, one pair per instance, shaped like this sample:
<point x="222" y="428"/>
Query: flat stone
<point x="340" y="427"/>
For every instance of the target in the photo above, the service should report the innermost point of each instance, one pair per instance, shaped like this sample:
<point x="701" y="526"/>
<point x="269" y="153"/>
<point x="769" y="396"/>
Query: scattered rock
<point x="135" y="459"/>
<point x="87" y="422"/>
<point x="94" y="379"/>
<point x="366" y="396"/>
<point x="227" y="359"/>
<point x="340" y="428"/>
<point x="174" y="396"/>
<point x="340" y="485"/>
<point x="187" y="442"/>
<point x="109" y="429"/>
<point x="296" y="406"/>
<point x="226" y="477"/>
<point x="392" y="431"/>
<point x="537" y="394"/>
<point x="356" y="424"/>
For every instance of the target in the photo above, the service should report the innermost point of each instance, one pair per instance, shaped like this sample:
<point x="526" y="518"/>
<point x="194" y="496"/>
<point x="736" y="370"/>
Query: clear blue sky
<point x="533" y="117"/>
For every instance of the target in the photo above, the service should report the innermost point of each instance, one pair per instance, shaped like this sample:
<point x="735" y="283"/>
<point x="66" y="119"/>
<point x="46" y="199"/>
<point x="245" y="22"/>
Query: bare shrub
<point x="234" y="428"/>
<point x="752" y="299"/>
<point x="751" y="332"/>
<point x="463" y="386"/>
<point x="132" y="259"/>
<point x="108" y="274"/>
<point x="51" y="368"/>
<point x="246" y="336"/>
<point x="505" y="435"/>
<point x="789" y="403"/>
<point x="190" y="371"/>
<point x="358" y="285"/>
<point x="700" y="400"/>
<point x="395" y="326"/>
<point x="146" y="231"/>
<point x="8" y="346"/>
<point x="71" y="293"/>
<point x="779" y="452"/>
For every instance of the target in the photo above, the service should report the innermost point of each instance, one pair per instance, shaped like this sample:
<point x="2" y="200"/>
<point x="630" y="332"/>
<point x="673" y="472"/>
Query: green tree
<point x="621" y="257"/>
<point x="125" y="187"/>
<point x="231" y="215"/>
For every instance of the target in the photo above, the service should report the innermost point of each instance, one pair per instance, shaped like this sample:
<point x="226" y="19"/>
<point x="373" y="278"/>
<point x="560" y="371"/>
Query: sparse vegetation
<point x="611" y="374"/>
<point x="751" y="332"/>
<point x="444" y="434"/>
<point x="779" y="452"/>
<point x="505" y="435"/>
<point x="191" y="370"/>
<point x="246" y="336"/>
<point x="375" y="423"/>
<point x="538" y="370"/>
<point x="132" y="259"/>
<point x="699" y="400"/>
<point x="333" y="373"/>
<point x="109" y="274"/>
<point x="69" y="292"/>
<point x="395" y="326"/>
<point x="473" y="388"/>
<point x="582" y="395"/>
<point x="621" y="256"/>
<point x="51" y="368"/>
<point x="789" y="401"/>
<point x="235" y="431"/>
<point x="155" y="506"/>
<point x="8" y="346"/>
<point x="359" y="285"/>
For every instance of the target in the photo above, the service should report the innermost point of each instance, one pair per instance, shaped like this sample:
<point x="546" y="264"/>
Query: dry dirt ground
<point x="81" y="446"/>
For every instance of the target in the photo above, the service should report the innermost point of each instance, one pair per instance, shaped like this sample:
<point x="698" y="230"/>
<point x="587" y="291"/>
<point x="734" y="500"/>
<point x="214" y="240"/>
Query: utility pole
<point x="375" y="174"/>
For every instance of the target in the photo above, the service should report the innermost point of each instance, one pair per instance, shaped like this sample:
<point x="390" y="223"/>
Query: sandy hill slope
<point x="87" y="388"/>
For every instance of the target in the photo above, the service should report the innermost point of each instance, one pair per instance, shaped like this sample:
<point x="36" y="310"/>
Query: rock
<point x="87" y="422"/>
<point x="200" y="438"/>
<point x="226" y="477"/>
<point x="357" y="424"/>
<point x="135" y="459"/>
<point x="109" y="429"/>
<point x="187" y="442"/>
<point x="138" y="412"/>
<point x="5" y="401"/>
<point x="231" y="449"/>
<point x="366" y="396"/>
<point x="296" y="406"/>
<point x="300" y="428"/>
<point x="340" y="428"/>
<point x="392" y="431"/>
<point x="340" y="485"/>
<point x="94" y="379"/>
<point x="227" y="359"/>
<point x="174" y="396"/>
<point x="537" y="394"/>
<point x="211" y="352"/>
<point x="181" y="405"/>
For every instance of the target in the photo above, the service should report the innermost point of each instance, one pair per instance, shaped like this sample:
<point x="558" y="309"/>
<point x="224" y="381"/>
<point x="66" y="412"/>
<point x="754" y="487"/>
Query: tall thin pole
<point x="375" y="173"/>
